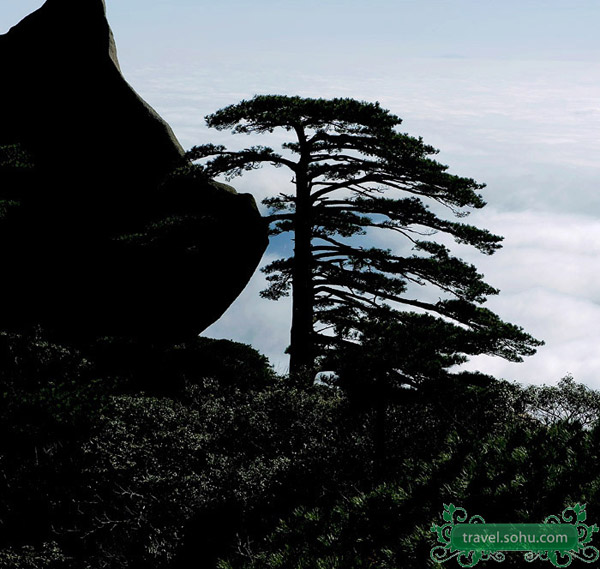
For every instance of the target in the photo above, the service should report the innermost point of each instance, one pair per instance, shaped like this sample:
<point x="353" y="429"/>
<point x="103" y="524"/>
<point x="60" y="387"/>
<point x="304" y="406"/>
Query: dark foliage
<point x="256" y="473"/>
<point x="118" y="452"/>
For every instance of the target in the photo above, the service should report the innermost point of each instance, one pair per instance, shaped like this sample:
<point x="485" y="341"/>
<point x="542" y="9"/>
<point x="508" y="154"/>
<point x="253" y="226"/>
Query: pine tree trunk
<point x="302" y="354"/>
<point x="379" y="435"/>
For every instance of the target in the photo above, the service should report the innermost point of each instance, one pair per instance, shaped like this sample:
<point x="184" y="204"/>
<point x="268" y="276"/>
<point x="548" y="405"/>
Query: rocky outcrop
<point x="65" y="98"/>
<point x="95" y="237"/>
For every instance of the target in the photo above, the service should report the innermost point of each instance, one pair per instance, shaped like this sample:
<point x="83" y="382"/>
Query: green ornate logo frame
<point x="573" y="516"/>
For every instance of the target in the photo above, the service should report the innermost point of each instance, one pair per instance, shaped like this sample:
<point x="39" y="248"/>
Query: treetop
<point x="264" y="113"/>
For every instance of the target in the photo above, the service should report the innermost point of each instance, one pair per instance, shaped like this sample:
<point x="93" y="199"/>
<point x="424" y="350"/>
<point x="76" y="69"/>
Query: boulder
<point x="98" y="236"/>
<point x="64" y="96"/>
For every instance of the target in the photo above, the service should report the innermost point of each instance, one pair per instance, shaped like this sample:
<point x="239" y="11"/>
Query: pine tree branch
<point x="341" y="185"/>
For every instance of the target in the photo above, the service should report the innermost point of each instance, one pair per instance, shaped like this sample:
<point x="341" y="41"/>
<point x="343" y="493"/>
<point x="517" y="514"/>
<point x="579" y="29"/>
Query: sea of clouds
<point x="526" y="129"/>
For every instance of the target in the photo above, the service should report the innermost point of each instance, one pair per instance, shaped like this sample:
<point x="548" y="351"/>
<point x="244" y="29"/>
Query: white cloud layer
<point x="549" y="276"/>
<point x="528" y="129"/>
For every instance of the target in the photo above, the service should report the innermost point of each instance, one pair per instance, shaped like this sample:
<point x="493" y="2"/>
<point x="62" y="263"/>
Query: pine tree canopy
<point x="356" y="176"/>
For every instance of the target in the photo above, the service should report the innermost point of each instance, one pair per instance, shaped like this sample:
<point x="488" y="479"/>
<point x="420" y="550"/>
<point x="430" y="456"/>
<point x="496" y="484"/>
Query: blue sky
<point x="538" y="29"/>
<point x="508" y="91"/>
<point x="345" y="30"/>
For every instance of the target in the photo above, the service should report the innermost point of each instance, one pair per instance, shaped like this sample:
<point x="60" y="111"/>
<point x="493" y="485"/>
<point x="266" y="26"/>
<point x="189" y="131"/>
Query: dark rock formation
<point x="95" y="238"/>
<point x="65" y="98"/>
